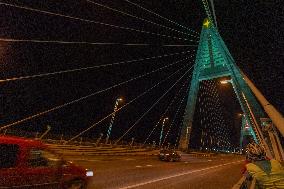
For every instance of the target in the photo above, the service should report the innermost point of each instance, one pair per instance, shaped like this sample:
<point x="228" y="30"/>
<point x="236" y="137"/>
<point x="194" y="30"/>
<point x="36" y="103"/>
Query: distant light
<point x="224" y="81"/>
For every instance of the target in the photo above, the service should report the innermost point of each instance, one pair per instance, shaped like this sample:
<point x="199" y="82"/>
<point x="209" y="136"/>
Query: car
<point x="169" y="155"/>
<point x="27" y="163"/>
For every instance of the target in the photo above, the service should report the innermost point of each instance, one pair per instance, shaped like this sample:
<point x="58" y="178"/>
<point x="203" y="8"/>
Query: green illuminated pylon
<point x="213" y="60"/>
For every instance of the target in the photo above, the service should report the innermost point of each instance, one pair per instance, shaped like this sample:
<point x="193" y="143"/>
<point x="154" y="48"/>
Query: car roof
<point x="20" y="141"/>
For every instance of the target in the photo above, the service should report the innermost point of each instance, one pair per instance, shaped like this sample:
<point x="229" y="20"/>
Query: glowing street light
<point x="112" y="118"/>
<point x="226" y="81"/>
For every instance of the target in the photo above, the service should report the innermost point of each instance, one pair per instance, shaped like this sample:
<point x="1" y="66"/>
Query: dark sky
<point x="251" y="30"/>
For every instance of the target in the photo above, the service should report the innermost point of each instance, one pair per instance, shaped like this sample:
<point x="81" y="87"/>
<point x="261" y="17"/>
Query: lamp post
<point x="161" y="135"/>
<point x="112" y="118"/>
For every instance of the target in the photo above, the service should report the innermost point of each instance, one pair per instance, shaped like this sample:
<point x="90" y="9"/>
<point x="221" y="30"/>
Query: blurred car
<point x="169" y="155"/>
<point x="26" y="163"/>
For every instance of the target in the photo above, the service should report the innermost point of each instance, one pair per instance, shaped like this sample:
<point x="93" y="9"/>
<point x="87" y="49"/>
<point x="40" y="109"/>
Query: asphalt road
<point x="113" y="172"/>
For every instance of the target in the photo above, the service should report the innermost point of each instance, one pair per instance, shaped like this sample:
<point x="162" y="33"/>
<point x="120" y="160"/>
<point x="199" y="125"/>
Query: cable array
<point x="85" y="97"/>
<point x="215" y="133"/>
<point x="90" y="21"/>
<point x="139" y="18"/>
<point x="153" y="105"/>
<point x="89" y="67"/>
<point x="82" y="44"/>
<point x="174" y="118"/>
<point x="130" y="102"/>
<point x="164" y="18"/>
<point x="165" y="112"/>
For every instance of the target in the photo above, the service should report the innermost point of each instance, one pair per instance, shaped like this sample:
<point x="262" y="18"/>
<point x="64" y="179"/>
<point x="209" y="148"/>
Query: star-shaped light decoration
<point x="206" y="23"/>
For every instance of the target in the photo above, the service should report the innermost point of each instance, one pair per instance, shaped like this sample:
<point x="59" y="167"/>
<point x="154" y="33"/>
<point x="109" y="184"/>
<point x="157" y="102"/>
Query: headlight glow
<point x="89" y="173"/>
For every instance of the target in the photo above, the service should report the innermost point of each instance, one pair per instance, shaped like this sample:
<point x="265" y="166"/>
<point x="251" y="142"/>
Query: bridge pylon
<point x="213" y="60"/>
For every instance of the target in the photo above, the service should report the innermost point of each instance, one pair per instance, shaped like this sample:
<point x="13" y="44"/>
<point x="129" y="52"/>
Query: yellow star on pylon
<point x="206" y="23"/>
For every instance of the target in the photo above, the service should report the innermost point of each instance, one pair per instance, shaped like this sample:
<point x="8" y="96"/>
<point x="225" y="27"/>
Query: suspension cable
<point x="85" y="97"/>
<point x="161" y="16"/>
<point x="130" y="102"/>
<point x="179" y="133"/>
<point x="175" y="116"/>
<point x="153" y="105"/>
<point x="139" y="18"/>
<point x="92" y="43"/>
<point x="89" y="21"/>
<point x="87" y="68"/>
<point x="165" y="112"/>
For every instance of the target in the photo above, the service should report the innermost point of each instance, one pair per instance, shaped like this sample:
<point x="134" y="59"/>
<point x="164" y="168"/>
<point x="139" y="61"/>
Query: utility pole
<point x="112" y="118"/>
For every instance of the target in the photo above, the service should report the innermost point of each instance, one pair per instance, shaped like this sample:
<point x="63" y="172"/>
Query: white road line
<point x="129" y="159"/>
<point x="209" y="159"/>
<point x="178" y="175"/>
<point x="149" y="165"/>
<point x="138" y="166"/>
<point x="91" y="160"/>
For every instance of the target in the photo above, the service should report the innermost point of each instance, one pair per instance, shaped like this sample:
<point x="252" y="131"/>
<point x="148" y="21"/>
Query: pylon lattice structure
<point x="213" y="60"/>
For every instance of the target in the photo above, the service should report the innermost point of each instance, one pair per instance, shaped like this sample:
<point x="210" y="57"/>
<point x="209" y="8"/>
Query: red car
<point x="26" y="163"/>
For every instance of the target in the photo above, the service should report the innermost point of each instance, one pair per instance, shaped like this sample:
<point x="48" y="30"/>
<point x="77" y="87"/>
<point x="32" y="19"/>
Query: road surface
<point x="137" y="172"/>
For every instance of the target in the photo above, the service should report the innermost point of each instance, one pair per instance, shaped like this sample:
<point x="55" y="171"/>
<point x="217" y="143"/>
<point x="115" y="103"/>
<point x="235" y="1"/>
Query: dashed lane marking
<point x="177" y="175"/>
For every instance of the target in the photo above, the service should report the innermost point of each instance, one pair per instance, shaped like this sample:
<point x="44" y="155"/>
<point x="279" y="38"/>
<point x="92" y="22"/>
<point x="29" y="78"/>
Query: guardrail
<point x="92" y="150"/>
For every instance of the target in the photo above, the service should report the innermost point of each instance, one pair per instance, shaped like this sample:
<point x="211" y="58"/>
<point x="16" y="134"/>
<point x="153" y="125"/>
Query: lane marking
<point x="129" y="159"/>
<point x="178" y="175"/>
<point x="209" y="159"/>
<point x="91" y="160"/>
<point x="149" y="165"/>
<point x="138" y="166"/>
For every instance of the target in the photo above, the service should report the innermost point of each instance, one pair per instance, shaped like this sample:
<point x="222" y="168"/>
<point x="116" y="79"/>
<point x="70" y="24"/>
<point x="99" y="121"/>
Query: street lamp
<point x="112" y="118"/>
<point x="163" y="124"/>
<point x="226" y="81"/>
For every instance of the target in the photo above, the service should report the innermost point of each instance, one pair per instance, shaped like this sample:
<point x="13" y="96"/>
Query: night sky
<point x="250" y="29"/>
